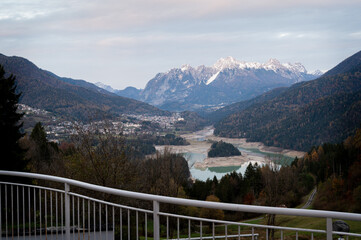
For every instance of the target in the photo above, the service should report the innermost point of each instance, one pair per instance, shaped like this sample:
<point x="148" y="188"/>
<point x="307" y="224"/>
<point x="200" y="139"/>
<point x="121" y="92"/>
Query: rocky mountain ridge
<point x="226" y="82"/>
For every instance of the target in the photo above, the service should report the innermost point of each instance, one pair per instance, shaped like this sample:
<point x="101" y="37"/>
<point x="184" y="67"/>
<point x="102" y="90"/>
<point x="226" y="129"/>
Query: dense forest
<point x="144" y="144"/>
<point x="306" y="114"/>
<point x="223" y="149"/>
<point x="226" y="111"/>
<point x="337" y="171"/>
<point x="169" y="139"/>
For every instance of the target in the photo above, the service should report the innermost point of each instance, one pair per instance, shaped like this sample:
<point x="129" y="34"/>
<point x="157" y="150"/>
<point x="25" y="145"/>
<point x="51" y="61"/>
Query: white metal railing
<point x="38" y="212"/>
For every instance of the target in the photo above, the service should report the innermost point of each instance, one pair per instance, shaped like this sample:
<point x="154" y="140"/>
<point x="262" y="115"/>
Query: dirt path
<point x="310" y="199"/>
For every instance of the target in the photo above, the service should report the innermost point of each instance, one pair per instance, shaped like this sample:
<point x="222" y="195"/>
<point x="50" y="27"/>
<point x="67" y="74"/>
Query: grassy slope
<point x="304" y="222"/>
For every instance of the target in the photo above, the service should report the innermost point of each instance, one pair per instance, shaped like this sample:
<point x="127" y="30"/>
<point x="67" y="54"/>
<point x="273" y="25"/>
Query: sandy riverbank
<point x="228" y="161"/>
<point x="202" y="147"/>
<point x="194" y="147"/>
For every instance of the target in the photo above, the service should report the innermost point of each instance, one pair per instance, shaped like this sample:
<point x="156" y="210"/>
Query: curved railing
<point x="37" y="211"/>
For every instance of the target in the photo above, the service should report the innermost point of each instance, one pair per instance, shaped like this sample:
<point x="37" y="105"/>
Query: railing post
<point x="67" y="211"/>
<point x="156" y="220"/>
<point x="329" y="228"/>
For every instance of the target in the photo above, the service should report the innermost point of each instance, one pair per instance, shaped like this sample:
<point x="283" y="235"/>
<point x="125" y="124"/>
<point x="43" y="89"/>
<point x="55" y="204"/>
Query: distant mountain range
<point x="227" y="81"/>
<point x="327" y="109"/>
<point x="76" y="99"/>
<point x="129" y="92"/>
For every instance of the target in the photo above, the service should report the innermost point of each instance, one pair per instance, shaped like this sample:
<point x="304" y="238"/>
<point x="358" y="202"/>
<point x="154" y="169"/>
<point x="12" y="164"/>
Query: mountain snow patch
<point x="211" y="79"/>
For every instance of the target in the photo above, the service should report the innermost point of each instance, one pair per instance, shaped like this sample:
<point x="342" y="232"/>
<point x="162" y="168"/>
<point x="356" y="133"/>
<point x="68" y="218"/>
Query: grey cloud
<point x="139" y="38"/>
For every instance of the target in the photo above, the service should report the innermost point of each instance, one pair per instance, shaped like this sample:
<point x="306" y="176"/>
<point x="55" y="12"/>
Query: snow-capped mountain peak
<point x="273" y="64"/>
<point x="185" y="67"/>
<point x="297" y="67"/>
<point x="228" y="62"/>
<point x="250" y="65"/>
<point x="226" y="81"/>
<point x="105" y="87"/>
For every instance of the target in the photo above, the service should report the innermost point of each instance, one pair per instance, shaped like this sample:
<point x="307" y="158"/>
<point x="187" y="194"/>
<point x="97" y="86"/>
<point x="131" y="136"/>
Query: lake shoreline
<point x="228" y="161"/>
<point x="200" y="143"/>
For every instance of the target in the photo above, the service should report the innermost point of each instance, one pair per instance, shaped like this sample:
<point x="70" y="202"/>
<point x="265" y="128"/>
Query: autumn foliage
<point x="337" y="168"/>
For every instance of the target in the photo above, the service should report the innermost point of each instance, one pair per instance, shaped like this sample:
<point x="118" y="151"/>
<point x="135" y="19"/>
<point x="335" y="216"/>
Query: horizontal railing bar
<point x="242" y="224"/>
<point x="212" y="237"/>
<point x="33" y="186"/>
<point x="347" y="234"/>
<point x="109" y="203"/>
<point x="190" y="202"/>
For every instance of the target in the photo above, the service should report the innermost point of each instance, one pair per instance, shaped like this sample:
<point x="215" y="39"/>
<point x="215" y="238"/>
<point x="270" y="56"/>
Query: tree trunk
<point x="271" y="220"/>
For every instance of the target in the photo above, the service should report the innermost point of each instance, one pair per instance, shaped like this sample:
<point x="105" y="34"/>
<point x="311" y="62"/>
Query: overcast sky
<point x="126" y="42"/>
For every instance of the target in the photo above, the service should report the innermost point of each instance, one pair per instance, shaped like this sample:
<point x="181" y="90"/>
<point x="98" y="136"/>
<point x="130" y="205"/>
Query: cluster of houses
<point x="58" y="129"/>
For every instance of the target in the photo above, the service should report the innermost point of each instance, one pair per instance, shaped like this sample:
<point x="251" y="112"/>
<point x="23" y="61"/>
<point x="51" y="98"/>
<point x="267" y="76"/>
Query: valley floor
<point x="200" y="143"/>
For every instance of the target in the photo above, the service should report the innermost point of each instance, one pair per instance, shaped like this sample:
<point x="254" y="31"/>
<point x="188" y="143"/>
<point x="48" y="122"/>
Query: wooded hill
<point x="76" y="99"/>
<point x="223" y="149"/>
<point x="311" y="113"/>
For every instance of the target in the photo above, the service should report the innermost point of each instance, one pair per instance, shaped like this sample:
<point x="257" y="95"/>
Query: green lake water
<point x="219" y="172"/>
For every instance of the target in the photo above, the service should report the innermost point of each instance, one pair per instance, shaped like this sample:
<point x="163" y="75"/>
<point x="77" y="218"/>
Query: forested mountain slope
<point x="327" y="109"/>
<point x="72" y="98"/>
<point x="221" y="113"/>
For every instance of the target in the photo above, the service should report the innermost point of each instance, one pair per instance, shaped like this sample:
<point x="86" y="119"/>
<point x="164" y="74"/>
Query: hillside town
<point x="58" y="129"/>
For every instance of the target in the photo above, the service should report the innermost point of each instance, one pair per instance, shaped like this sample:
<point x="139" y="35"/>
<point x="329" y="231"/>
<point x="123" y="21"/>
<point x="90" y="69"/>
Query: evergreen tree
<point x="38" y="134"/>
<point x="10" y="126"/>
<point x="41" y="151"/>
